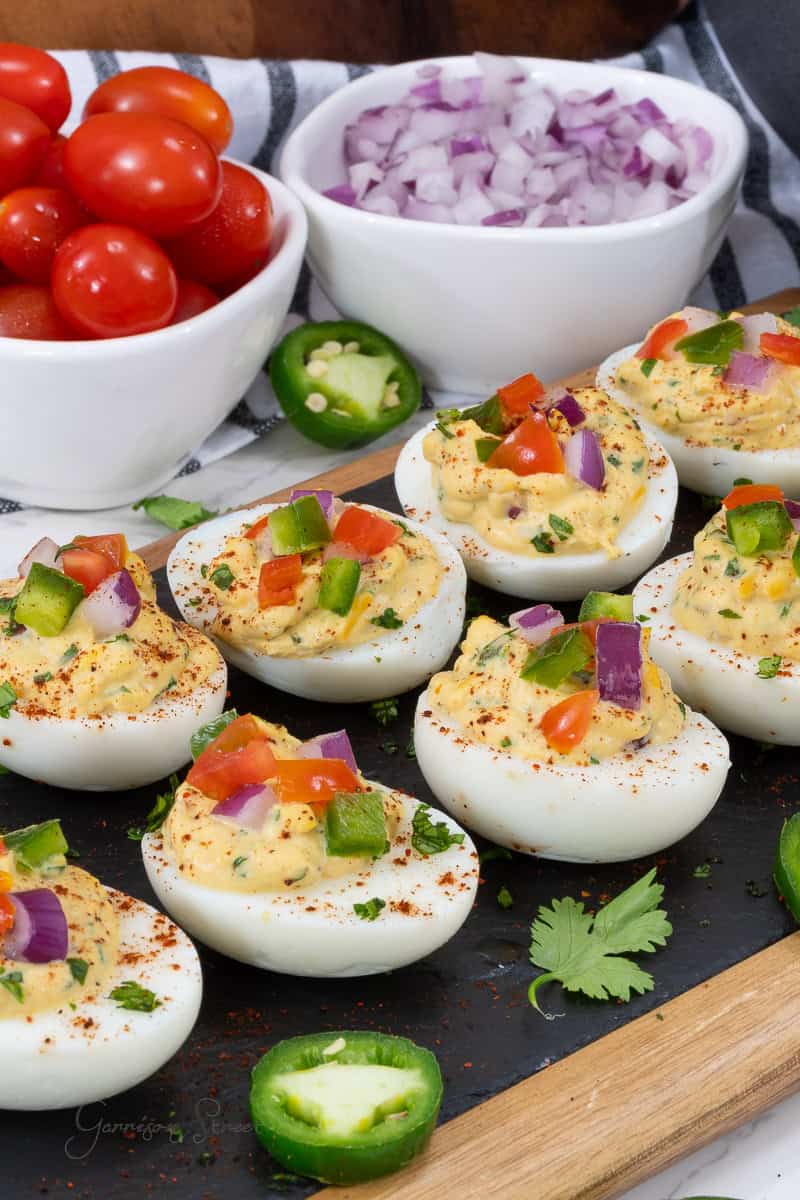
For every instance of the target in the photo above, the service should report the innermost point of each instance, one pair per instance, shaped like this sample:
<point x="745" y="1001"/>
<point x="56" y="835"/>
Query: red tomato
<point x="365" y="531"/>
<point x="516" y="398"/>
<point x="219" y="775"/>
<point x="33" y="223"/>
<point x="663" y="338"/>
<point x="36" y="81"/>
<point x="236" y="234"/>
<point x="278" y="579"/>
<point x="109" y="281"/>
<point x="783" y="346"/>
<point x="88" y="567"/>
<point x="752" y="493"/>
<point x="193" y="298"/>
<point x="530" y="449"/>
<point x="259" y="527"/>
<point x="565" y="725"/>
<point x="113" y="545"/>
<point x="142" y="170"/>
<point x="7" y="914"/>
<point x="240" y="732"/>
<point x="51" y="169"/>
<point x="24" y="140"/>
<point x="168" y="93"/>
<point x="312" y="780"/>
<point x="27" y="310"/>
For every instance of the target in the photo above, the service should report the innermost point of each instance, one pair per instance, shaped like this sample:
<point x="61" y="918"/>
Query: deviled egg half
<point x="324" y="599"/>
<point x="97" y="990"/>
<point x="567" y="741"/>
<point x="99" y="688"/>
<point x="280" y="854"/>
<point x="544" y="494"/>
<point x="721" y="394"/>
<point x="725" y="619"/>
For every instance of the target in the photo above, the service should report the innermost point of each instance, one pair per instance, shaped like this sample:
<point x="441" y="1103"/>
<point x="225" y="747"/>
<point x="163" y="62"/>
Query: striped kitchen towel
<point x="268" y="98"/>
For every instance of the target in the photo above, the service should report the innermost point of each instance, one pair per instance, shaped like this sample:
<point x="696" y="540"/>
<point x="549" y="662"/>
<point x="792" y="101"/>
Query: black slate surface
<point x="185" y="1131"/>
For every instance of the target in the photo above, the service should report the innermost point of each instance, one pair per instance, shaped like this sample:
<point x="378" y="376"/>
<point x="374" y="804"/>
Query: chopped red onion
<point x="537" y="623"/>
<point x="514" y="512"/>
<point x="248" y="806"/>
<point x="532" y="157"/>
<point x="793" y="509"/>
<point x="749" y="371"/>
<point x="754" y="327"/>
<point x="324" y="497"/>
<point x="344" y="550"/>
<point x="569" y="408"/>
<point x="45" y="552"/>
<point x="330" y="745"/>
<point x="618" y="653"/>
<point x="114" y="604"/>
<point x="583" y="459"/>
<point x="40" y="933"/>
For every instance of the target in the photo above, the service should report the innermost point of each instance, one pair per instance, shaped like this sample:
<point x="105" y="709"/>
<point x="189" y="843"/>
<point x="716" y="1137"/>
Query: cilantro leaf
<point x="730" y="614"/>
<point x="135" y="998"/>
<point x="222" y="577"/>
<point x="78" y="969"/>
<point x="792" y="316"/>
<point x="12" y="982"/>
<point x="584" y="953"/>
<point x="174" y="513"/>
<point x="158" y="813"/>
<point x="370" y="910"/>
<point x="543" y="543"/>
<point x="560" y="527"/>
<point x="8" y="698"/>
<point x="384" y="711"/>
<point x="431" y="837"/>
<point x="768" y="667"/>
<point x="388" y="619"/>
<point x="647" y="366"/>
<point x="504" y="897"/>
<point x="493" y="852"/>
<point x="205" y="735"/>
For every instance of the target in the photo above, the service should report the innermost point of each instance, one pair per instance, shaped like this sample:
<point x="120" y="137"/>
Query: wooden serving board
<point x="630" y="1103"/>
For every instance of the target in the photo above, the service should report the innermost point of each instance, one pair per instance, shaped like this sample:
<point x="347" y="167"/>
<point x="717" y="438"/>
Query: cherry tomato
<point x="193" y="299"/>
<point x="168" y="93"/>
<point x="661" y="339"/>
<point x="110" y="281"/>
<point x="365" y="532"/>
<point x="531" y="448"/>
<point x="143" y="170"/>
<point x="27" y="310"/>
<point x="86" y="566"/>
<point x="24" y="140"/>
<point x="33" y="223"/>
<point x="752" y="493"/>
<point x="35" y="80"/>
<point x="236" y="234"/>
<point x="566" y="724"/>
<point x="51" y="170"/>
<point x="783" y="346"/>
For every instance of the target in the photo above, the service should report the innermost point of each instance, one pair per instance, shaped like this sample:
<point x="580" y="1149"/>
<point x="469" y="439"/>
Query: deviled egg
<point x="725" y="619"/>
<point x="567" y="741"/>
<point x="721" y="394"/>
<point x="323" y="599"/>
<point x="99" y="688"/>
<point x="280" y="854"/>
<point x="97" y="990"/>
<point x="543" y="494"/>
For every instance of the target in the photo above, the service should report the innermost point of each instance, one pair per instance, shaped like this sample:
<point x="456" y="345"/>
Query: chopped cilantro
<point x="8" y="606"/>
<point x="754" y="889"/>
<point x="173" y="512"/>
<point x="390" y="747"/>
<point x="411" y="750"/>
<point x="222" y="577"/>
<point x="384" y="711"/>
<point x="12" y="982"/>
<point x="729" y="614"/>
<point x="8" y="698"/>
<point x="642" y="618"/>
<point x="543" y="543"/>
<point x="387" y="620"/>
<point x="237" y="862"/>
<point x="43" y="677"/>
<point x="78" y="969"/>
<point x="786" y="609"/>
<point x="158" y="813"/>
<point x="495" y="648"/>
<point x="733" y="569"/>
<point x="792" y="316"/>
<point x="204" y="570"/>
<point x="493" y="852"/>
<point x="431" y="837"/>
<point x="614" y="460"/>
<point x="504" y="897"/>
<point x="702" y="872"/>
<point x="131" y="996"/>
<point x="506" y="742"/>
<point x="768" y="667"/>
<point x="647" y="366"/>
<point x="205" y="735"/>
<point x="637" y="465"/>
<point x="560" y="527"/>
<point x="402" y="525"/>
<point x="68" y="655"/>
<point x="370" y="910"/>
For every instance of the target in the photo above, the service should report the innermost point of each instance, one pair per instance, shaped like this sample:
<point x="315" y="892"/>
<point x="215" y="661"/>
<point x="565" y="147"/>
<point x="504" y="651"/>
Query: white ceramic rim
<point x="288" y="208"/>
<point x="291" y="163"/>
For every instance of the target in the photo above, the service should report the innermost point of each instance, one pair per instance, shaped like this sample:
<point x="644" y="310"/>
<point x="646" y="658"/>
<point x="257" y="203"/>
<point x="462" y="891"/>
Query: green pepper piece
<point x="355" y="825"/>
<point x="35" y="844"/>
<point x="787" y="865"/>
<point x="796" y="557"/>
<point x="345" y="1107"/>
<point x="338" y="585"/>
<point x="298" y="527"/>
<point x="754" y="528"/>
<point x="353" y="401"/>
<point x="713" y="345"/>
<point x="489" y="415"/>
<point x="559" y="657"/>
<point x="485" y="448"/>
<point x="606" y="604"/>
<point x="47" y="600"/>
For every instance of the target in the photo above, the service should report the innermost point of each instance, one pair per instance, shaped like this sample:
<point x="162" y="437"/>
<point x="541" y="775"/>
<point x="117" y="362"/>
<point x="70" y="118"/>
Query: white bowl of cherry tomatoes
<point x="143" y="279"/>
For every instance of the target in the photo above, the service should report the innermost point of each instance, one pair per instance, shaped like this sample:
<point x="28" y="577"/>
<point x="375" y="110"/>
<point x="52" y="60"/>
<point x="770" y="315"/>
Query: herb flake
<point x="173" y="512"/>
<point x="132" y="996"/>
<point x="431" y="837"/>
<point x="370" y="910"/>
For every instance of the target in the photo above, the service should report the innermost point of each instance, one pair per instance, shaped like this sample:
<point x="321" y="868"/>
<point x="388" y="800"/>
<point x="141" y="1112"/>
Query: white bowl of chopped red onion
<point x="499" y="215"/>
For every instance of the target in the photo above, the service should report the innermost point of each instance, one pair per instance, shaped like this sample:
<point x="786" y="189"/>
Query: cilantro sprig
<point x="134" y="997"/>
<point x="431" y="837"/>
<point x="173" y="512"/>
<point x="158" y="813"/>
<point x="370" y="910"/>
<point x="8" y="698"/>
<point x="586" y="954"/>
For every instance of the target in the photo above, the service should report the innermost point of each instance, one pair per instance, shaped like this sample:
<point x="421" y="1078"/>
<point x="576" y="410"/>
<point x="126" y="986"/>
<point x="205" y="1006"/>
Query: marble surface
<point x="758" y="1161"/>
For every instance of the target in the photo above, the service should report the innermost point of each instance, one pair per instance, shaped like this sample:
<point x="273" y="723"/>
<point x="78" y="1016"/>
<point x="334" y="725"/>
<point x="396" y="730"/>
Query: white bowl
<point x="93" y="424"/>
<point x="477" y="306"/>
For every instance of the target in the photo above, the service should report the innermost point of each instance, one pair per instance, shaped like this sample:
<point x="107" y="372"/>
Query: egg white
<point x="65" y="1057"/>
<point x="717" y="679"/>
<point x="114" y="751"/>
<point x="707" y="469"/>
<point x="546" y="577"/>
<point x="390" y="663"/>
<point x="314" y="931"/>
<point x="621" y="808"/>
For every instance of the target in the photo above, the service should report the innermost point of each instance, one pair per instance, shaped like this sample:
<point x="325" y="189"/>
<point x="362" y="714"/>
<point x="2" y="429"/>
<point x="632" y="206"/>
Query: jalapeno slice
<point x="345" y="1107"/>
<point x="342" y="383"/>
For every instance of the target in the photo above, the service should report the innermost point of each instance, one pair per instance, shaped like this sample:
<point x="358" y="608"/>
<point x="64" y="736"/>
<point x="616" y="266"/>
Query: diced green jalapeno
<point x="298" y="527"/>
<point x="559" y="657"/>
<point x="606" y="604"/>
<point x="787" y="865"/>
<point x="754" y="528"/>
<point x="35" y="844"/>
<point x="338" y="585"/>
<point x="485" y="448"/>
<point x="489" y="415"/>
<point x="796" y="557"/>
<point x="355" y="825"/>
<point x="47" y="600"/>
<point x="713" y="345"/>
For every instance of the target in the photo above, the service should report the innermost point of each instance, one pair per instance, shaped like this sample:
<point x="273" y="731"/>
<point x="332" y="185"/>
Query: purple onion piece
<point x="45" y="552"/>
<point x="330" y="745"/>
<point x="569" y="408"/>
<point x="248" y="806"/>
<point x="342" y="194"/>
<point x="793" y="510"/>
<point x="514" y="512"/>
<point x="583" y="459"/>
<point x="537" y="623"/>
<point x="324" y="497"/>
<point x="40" y="933"/>
<point x="749" y="371"/>
<point x="618" y="654"/>
<point x="114" y="604"/>
<point x="509" y="216"/>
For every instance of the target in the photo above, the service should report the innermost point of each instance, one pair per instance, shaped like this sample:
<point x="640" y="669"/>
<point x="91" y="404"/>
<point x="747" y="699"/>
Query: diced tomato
<point x="7" y="913"/>
<point x="662" y="338"/>
<point x="566" y="724"/>
<point x="365" y="531"/>
<point x="88" y="567"/>
<point x="530" y="449"/>
<point x="258" y="528"/>
<point x="312" y="780"/>
<point x="278" y="579"/>
<point x="6" y="878"/>
<point x="517" y="397"/>
<point x="267" y="599"/>
<point x="783" y="346"/>
<point x="752" y="493"/>
<point x="113" y="545"/>
<point x="239" y="733"/>
<point x="219" y="774"/>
